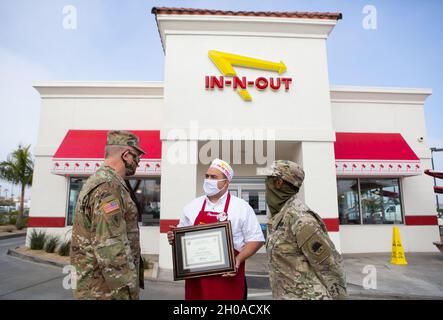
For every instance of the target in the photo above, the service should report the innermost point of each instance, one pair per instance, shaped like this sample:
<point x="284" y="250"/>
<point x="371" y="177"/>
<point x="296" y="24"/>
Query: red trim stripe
<point x="421" y="220"/>
<point x="47" y="222"/>
<point x="164" y="224"/>
<point x="332" y="224"/>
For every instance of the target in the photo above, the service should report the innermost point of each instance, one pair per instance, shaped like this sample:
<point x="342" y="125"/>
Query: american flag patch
<point x="111" y="206"/>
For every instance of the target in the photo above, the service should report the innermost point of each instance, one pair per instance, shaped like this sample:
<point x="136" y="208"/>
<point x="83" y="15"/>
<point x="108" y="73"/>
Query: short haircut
<point x="113" y="150"/>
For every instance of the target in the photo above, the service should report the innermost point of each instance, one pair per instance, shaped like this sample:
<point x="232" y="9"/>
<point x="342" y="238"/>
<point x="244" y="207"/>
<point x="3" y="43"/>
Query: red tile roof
<point x="294" y="14"/>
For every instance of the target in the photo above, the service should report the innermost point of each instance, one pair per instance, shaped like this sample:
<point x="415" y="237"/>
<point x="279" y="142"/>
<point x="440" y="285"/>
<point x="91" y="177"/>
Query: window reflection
<point x="75" y="185"/>
<point x="379" y="199"/>
<point x="348" y="206"/>
<point x="256" y="199"/>
<point x="146" y="192"/>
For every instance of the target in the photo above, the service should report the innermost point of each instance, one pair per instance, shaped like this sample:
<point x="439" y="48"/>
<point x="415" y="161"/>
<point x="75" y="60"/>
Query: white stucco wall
<point x="303" y="113"/>
<point x="87" y="106"/>
<point x="390" y="110"/>
<point x="49" y="192"/>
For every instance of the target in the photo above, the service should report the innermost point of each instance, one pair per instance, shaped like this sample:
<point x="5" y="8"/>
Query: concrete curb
<point x="13" y="235"/>
<point x="28" y="257"/>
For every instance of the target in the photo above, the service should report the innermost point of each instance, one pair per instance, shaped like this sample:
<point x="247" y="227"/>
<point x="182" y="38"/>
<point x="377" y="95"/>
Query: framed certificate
<point x="203" y="250"/>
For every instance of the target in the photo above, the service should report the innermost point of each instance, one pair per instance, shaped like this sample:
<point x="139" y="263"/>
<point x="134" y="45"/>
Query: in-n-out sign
<point x="225" y="62"/>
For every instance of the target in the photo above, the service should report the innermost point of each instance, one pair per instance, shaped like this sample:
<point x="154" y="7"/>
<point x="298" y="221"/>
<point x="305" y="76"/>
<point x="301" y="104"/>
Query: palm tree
<point x="18" y="169"/>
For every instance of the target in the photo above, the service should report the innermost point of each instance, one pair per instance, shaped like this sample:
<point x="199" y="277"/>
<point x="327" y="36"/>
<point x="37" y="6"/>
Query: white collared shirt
<point x="244" y="223"/>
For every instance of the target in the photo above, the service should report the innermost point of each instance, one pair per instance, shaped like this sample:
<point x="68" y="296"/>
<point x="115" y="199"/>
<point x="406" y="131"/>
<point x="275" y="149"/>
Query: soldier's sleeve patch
<point x="110" y="206"/>
<point x="313" y="244"/>
<point x="317" y="249"/>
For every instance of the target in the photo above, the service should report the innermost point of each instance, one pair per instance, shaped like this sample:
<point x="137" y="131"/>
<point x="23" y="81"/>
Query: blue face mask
<point x="210" y="187"/>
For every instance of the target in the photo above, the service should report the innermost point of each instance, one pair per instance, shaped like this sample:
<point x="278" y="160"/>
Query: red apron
<point x="215" y="287"/>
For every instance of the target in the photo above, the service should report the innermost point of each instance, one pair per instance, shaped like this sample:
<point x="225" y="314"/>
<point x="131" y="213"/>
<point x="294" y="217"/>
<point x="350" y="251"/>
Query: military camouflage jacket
<point x="303" y="261"/>
<point x="105" y="245"/>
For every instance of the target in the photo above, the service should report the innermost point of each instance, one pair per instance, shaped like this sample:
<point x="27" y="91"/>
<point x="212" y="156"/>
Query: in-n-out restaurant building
<point x="245" y="87"/>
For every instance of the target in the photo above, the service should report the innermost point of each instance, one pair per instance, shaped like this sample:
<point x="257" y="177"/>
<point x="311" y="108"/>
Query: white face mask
<point x="210" y="187"/>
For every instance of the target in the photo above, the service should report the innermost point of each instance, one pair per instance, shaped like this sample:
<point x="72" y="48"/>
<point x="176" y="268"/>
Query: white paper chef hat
<point x="224" y="167"/>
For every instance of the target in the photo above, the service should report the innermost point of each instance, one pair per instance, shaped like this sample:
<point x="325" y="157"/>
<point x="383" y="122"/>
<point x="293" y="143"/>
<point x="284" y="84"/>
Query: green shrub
<point x="65" y="248"/>
<point x="12" y="217"/>
<point x="37" y="240"/>
<point x="51" y="243"/>
<point x="23" y="223"/>
<point x="4" y="219"/>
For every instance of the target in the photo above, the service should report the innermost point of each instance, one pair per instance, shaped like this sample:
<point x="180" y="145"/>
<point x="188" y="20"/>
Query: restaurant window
<point x="75" y="185"/>
<point x="369" y="201"/>
<point x="146" y="192"/>
<point x="348" y="201"/>
<point x="253" y="191"/>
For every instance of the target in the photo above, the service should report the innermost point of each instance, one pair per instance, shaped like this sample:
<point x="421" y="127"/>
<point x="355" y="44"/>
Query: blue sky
<point x="118" y="40"/>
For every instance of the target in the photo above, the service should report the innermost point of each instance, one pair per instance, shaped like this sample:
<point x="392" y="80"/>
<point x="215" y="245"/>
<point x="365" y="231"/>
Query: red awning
<point x="82" y="152"/>
<point x="368" y="154"/>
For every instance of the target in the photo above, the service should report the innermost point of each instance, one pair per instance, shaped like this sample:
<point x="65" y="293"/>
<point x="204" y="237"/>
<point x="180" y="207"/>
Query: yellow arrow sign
<point x="224" y="62"/>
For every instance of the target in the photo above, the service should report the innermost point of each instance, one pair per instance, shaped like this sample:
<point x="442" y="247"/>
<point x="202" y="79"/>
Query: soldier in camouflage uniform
<point x="105" y="249"/>
<point x="303" y="261"/>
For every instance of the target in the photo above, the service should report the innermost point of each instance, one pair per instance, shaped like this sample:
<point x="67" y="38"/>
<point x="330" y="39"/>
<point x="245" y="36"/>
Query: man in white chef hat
<point x="219" y="205"/>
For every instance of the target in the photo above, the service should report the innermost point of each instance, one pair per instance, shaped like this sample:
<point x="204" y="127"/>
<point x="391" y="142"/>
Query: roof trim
<point x="272" y="14"/>
<point x="357" y="94"/>
<point x="93" y="89"/>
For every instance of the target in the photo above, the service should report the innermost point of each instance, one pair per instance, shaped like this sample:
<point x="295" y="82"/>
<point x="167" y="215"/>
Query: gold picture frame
<point x="203" y="250"/>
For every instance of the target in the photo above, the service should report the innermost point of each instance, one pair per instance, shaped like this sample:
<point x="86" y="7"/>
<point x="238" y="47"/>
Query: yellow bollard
<point x="398" y="254"/>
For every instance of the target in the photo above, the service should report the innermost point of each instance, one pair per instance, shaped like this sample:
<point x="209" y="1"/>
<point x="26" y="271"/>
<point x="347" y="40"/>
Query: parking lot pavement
<point x="24" y="280"/>
<point x="420" y="279"/>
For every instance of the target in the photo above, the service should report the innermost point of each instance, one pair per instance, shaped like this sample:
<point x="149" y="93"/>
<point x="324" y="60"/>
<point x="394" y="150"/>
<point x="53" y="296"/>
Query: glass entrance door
<point x="253" y="192"/>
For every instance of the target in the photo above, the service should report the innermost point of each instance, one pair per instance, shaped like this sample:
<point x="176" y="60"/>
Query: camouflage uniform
<point x="303" y="261"/>
<point x="105" y="247"/>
